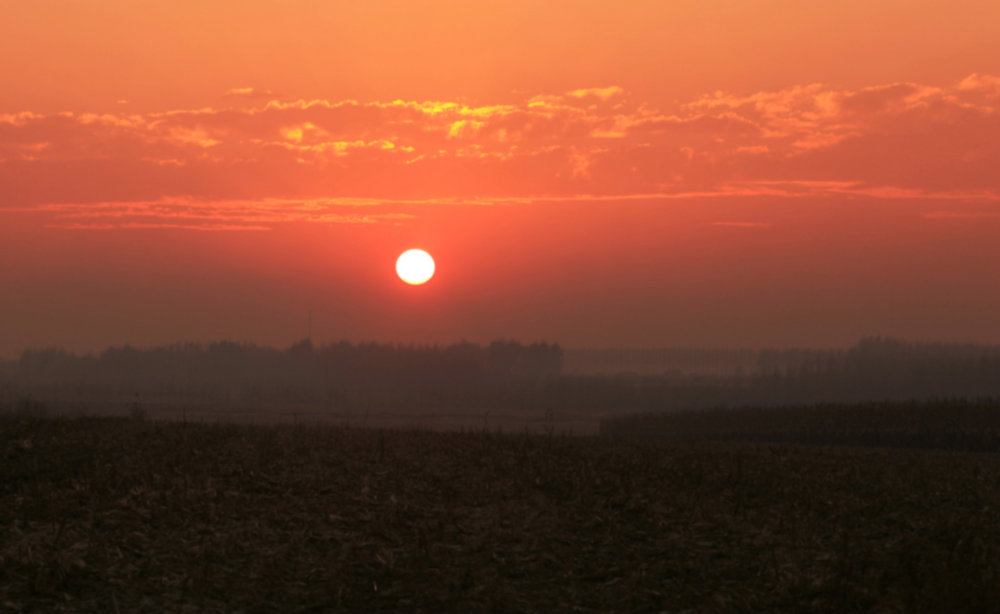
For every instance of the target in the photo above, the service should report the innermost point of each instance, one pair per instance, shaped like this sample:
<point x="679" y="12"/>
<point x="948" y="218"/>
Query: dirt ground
<point x="120" y="515"/>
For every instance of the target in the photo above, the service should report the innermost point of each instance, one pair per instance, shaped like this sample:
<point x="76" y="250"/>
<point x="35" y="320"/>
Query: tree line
<point x="469" y="377"/>
<point x="339" y="376"/>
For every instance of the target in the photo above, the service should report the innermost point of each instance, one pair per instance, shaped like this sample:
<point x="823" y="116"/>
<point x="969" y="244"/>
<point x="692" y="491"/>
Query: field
<point x="948" y="424"/>
<point x="130" y="515"/>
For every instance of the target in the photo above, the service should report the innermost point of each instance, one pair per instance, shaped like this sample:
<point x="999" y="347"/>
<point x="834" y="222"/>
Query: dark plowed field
<point x="115" y="515"/>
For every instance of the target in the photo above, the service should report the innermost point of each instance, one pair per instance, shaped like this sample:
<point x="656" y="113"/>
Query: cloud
<point x="193" y="214"/>
<point x="601" y="93"/>
<point x="888" y="141"/>
<point x="743" y="224"/>
<point x="253" y="93"/>
<point x="158" y="226"/>
<point x="980" y="83"/>
<point x="961" y="215"/>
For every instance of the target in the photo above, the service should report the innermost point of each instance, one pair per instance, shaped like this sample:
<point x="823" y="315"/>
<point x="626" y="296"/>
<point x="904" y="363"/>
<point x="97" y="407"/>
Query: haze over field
<point x="728" y="174"/>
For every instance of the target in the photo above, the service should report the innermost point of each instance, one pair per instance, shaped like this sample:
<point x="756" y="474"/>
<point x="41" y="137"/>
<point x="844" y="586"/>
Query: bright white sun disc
<point x="415" y="266"/>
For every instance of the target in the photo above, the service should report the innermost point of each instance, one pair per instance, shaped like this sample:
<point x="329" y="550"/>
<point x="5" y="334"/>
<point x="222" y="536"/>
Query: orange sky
<point x="765" y="173"/>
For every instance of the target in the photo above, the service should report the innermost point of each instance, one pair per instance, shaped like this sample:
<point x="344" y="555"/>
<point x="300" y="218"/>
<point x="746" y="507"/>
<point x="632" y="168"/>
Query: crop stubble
<point x="130" y="515"/>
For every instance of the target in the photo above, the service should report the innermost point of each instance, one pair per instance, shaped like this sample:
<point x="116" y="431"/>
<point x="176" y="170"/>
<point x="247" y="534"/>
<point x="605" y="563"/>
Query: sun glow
<point x="415" y="266"/>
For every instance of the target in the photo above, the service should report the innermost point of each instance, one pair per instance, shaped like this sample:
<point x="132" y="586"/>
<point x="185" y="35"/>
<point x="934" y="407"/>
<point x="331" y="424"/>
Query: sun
<point x="415" y="266"/>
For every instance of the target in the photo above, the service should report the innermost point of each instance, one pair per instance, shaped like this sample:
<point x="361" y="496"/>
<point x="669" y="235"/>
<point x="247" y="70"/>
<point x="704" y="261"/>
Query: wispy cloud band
<point x="265" y="160"/>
